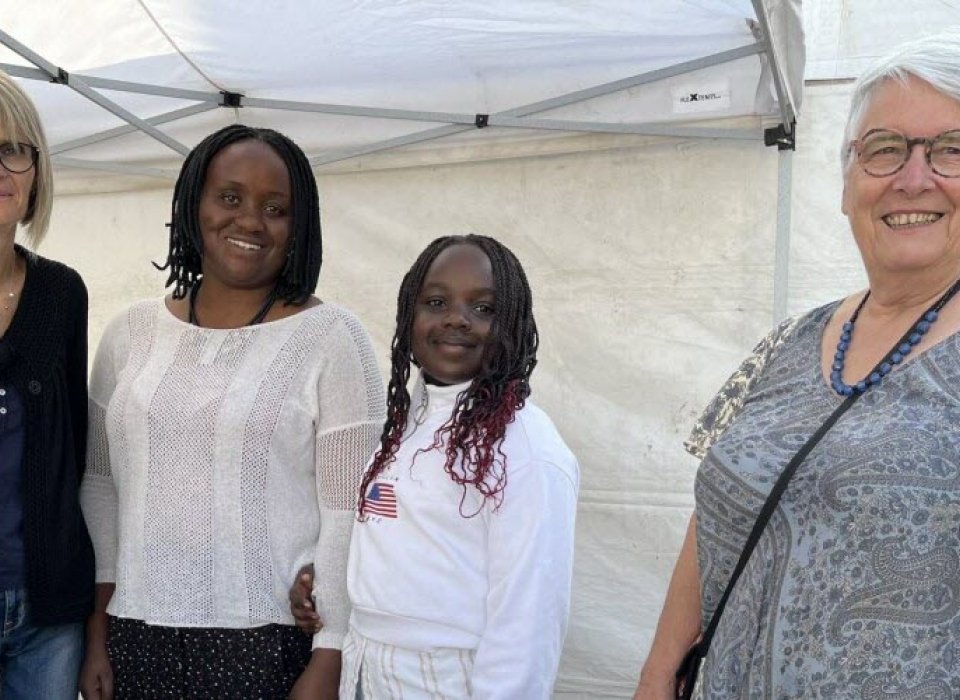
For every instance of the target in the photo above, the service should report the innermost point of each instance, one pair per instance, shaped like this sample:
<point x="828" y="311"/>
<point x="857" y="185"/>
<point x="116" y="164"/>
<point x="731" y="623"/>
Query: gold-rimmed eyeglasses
<point x="18" y="157"/>
<point x="882" y="152"/>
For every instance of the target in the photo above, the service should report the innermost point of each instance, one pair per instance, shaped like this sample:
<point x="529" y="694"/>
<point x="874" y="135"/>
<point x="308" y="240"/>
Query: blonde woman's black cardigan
<point x="43" y="355"/>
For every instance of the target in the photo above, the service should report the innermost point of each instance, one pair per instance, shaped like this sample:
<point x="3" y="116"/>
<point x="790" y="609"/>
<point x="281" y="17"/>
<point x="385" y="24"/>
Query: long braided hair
<point x="472" y="437"/>
<point x="299" y="276"/>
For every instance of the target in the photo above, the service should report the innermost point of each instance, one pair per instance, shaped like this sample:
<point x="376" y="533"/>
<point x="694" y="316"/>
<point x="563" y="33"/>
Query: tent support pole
<point x="652" y="129"/>
<point x="639" y="79"/>
<point x="49" y="71"/>
<point x="12" y="69"/>
<point x="129" y="128"/>
<point x="126" y="116"/>
<point x="114" y="167"/>
<point x="115" y="85"/>
<point x="76" y="84"/>
<point x="353" y="111"/>
<point x="781" y="256"/>
<point x="554" y="102"/>
<point x="455" y="123"/>
<point x="786" y="107"/>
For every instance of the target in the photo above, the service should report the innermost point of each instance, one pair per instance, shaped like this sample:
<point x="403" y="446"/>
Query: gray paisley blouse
<point x="854" y="589"/>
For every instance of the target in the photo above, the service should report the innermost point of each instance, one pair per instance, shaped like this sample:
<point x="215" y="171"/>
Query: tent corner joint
<point x="784" y="138"/>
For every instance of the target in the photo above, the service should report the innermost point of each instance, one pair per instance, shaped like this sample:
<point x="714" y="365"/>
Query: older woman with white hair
<point x="46" y="558"/>
<point x="823" y="557"/>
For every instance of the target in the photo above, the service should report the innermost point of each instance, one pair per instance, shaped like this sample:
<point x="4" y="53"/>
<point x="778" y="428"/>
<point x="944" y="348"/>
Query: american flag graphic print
<point x="381" y="500"/>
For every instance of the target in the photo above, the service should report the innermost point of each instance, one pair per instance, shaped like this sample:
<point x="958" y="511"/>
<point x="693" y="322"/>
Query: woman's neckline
<point x="168" y="312"/>
<point x="913" y="358"/>
<point x="25" y="294"/>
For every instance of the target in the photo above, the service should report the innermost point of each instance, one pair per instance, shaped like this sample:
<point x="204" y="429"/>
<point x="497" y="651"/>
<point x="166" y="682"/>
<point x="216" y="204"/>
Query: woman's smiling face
<point x="245" y="216"/>
<point x="910" y="220"/>
<point x="15" y="188"/>
<point x="454" y="313"/>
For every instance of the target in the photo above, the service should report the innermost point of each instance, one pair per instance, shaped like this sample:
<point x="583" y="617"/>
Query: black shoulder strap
<point x="769" y="506"/>
<point x="699" y="650"/>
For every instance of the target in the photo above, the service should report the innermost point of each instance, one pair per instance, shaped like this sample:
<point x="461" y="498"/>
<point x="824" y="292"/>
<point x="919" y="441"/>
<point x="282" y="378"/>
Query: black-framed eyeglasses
<point x="18" y="157"/>
<point x="882" y="152"/>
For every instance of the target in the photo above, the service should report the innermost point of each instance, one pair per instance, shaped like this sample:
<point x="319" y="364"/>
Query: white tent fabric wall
<point x="651" y="258"/>
<point x="652" y="269"/>
<point x="843" y="38"/>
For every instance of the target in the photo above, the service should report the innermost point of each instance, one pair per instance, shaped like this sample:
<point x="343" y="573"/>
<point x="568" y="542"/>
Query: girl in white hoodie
<point x="461" y="559"/>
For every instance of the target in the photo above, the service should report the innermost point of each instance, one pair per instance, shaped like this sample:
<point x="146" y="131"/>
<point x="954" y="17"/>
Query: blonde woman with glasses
<point x="46" y="558"/>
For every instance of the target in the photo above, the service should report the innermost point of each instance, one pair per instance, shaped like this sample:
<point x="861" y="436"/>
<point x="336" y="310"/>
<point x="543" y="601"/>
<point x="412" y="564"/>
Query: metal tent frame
<point x="519" y="117"/>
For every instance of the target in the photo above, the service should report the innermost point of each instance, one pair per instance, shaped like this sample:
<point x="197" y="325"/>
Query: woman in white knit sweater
<point x="230" y="423"/>
<point x="460" y="564"/>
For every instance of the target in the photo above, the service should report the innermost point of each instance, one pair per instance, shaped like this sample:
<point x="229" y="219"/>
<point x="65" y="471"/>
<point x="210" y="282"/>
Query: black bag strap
<point x="773" y="499"/>
<point x="769" y="506"/>
<point x="690" y="665"/>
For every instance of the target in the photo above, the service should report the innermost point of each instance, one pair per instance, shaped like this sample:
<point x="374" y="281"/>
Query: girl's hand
<point x="301" y="602"/>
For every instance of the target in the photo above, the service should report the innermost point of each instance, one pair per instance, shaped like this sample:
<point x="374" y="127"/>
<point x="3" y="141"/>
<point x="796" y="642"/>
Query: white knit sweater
<point x="423" y="577"/>
<point x="220" y="461"/>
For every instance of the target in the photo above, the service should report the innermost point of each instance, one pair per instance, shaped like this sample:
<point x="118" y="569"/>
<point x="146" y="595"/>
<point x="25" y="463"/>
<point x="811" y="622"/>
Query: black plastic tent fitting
<point x="780" y="137"/>
<point x="230" y="99"/>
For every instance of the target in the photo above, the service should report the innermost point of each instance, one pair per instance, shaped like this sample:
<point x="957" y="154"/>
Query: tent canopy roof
<point x="364" y="74"/>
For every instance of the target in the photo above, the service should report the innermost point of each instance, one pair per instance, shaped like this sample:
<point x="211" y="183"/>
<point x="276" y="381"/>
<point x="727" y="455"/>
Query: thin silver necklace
<point x="10" y="296"/>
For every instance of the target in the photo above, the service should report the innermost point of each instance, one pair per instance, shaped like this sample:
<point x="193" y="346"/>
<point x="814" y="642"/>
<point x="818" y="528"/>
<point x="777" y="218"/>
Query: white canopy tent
<point x="617" y="146"/>
<point x="397" y="66"/>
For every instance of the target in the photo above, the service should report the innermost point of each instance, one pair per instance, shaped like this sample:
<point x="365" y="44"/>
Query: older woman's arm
<point x="679" y="624"/>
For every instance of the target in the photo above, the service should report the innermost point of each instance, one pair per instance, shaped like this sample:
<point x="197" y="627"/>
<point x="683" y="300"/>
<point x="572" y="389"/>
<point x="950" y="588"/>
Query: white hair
<point x="934" y="60"/>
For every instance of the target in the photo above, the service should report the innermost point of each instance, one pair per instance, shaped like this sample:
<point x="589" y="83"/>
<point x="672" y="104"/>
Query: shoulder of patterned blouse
<point x="726" y="404"/>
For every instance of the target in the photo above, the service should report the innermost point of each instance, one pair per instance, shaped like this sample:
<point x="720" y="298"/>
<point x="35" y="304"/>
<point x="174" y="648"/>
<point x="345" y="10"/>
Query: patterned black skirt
<point x="163" y="663"/>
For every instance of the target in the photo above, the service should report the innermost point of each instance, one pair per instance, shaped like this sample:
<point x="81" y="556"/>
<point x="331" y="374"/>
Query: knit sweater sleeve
<point x="352" y="409"/>
<point x="98" y="492"/>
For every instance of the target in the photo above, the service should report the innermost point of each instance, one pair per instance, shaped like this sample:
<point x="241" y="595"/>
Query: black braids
<point x="401" y="356"/>
<point x="301" y="272"/>
<point x="474" y="433"/>
<point x="512" y="355"/>
<point x="398" y="398"/>
<point x="181" y="268"/>
<point x="186" y="246"/>
<point x="302" y="269"/>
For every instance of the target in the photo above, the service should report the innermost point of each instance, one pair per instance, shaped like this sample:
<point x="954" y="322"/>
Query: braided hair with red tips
<point x="472" y="437"/>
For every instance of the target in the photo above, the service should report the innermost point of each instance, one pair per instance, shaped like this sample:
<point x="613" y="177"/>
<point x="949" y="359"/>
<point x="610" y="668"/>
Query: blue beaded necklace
<point x="894" y="357"/>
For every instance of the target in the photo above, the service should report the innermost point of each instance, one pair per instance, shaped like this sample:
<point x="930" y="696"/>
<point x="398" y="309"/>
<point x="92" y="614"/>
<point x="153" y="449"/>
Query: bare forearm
<point x="679" y="624"/>
<point x="326" y="661"/>
<point x="321" y="679"/>
<point x="97" y="622"/>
